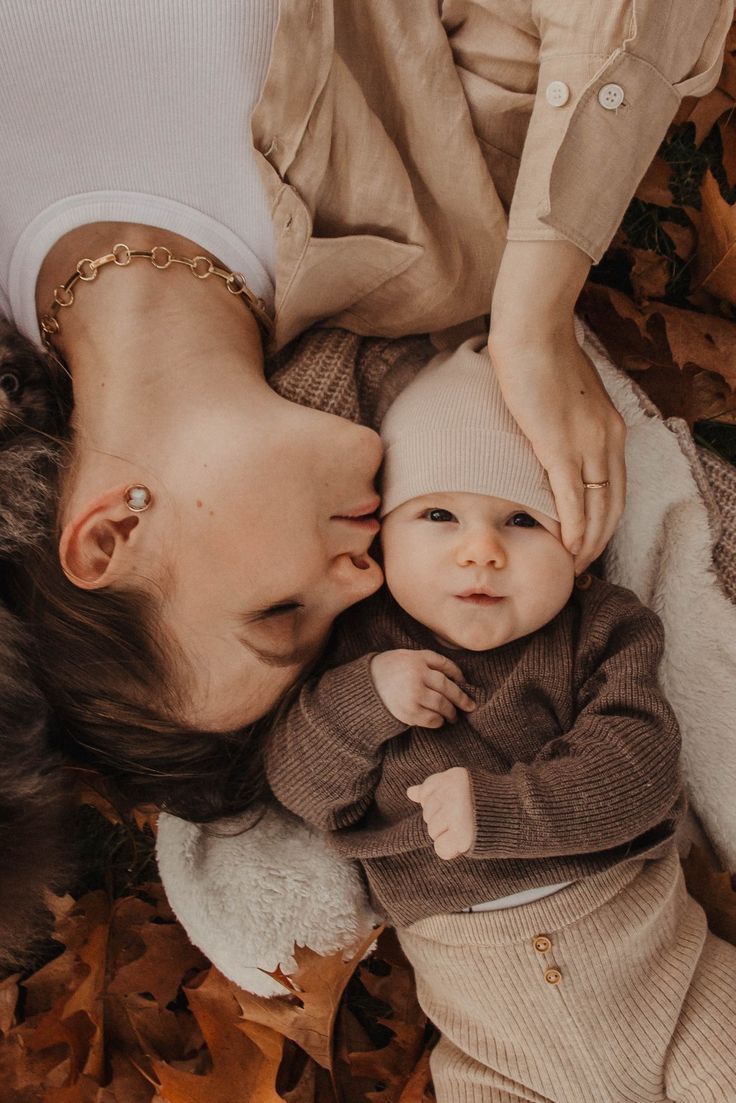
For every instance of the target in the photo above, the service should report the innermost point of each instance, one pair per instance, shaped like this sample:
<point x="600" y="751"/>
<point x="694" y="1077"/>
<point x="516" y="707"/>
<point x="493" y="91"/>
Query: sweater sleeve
<point x="612" y="74"/>
<point x="323" y="758"/>
<point x="614" y="775"/>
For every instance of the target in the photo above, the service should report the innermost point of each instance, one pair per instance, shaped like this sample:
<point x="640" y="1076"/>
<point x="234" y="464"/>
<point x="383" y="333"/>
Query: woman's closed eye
<point x="272" y="634"/>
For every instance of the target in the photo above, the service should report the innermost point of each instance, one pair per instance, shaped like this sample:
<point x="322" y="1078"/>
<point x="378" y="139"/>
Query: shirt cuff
<point x="584" y="155"/>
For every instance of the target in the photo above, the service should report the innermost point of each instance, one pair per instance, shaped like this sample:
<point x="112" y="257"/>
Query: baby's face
<point x="477" y="571"/>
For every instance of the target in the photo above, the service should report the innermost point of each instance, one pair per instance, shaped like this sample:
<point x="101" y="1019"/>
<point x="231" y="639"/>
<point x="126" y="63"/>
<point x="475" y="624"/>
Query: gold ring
<point x="597" y="486"/>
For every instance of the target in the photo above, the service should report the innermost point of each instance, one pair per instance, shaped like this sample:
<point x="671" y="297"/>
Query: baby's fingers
<point x="449" y="689"/>
<point x="444" y="665"/>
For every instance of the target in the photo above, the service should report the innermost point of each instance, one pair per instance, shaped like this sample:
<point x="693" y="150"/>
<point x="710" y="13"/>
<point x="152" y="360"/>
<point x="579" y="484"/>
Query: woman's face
<point x="265" y="550"/>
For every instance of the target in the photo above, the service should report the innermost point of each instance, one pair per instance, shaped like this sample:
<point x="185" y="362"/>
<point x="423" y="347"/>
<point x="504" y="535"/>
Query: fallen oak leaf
<point x="391" y="986"/>
<point x="8" y="1001"/>
<point x="150" y="952"/>
<point x="307" y="1013"/>
<point x="714" y="891"/>
<point x="683" y="359"/>
<point x="418" y="1088"/>
<point x="245" y="1062"/>
<point x="64" y="998"/>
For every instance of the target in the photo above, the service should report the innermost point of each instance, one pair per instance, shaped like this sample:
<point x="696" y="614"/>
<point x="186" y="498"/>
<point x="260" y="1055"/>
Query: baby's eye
<point x="523" y="521"/>
<point x="438" y="515"/>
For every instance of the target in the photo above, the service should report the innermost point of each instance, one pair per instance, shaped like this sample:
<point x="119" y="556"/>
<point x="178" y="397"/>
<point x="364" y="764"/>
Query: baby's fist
<point x="447" y="810"/>
<point x="419" y="688"/>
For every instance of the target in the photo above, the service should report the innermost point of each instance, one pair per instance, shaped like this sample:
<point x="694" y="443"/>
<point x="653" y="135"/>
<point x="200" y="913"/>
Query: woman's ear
<point x="94" y="544"/>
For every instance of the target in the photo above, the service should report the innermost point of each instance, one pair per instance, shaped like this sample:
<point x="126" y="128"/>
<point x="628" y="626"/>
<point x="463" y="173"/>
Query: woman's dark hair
<point x="101" y="659"/>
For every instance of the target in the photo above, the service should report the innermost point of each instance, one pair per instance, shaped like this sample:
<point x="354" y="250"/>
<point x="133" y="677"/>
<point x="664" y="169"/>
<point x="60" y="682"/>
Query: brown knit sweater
<point x="572" y="752"/>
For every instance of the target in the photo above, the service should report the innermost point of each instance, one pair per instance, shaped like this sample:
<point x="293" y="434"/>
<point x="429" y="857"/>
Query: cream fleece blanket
<point x="247" y="899"/>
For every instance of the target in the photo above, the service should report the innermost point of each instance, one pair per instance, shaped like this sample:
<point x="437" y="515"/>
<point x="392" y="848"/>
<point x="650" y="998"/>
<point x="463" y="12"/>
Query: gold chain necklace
<point x="160" y="257"/>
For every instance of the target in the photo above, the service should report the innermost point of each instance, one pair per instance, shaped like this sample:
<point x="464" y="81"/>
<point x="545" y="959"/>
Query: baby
<point x="491" y="744"/>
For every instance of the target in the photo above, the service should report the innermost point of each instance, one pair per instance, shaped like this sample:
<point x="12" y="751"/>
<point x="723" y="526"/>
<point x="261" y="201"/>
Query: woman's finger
<point x="604" y="505"/>
<point x="597" y="509"/>
<point x="617" y="475"/>
<point x="566" y="484"/>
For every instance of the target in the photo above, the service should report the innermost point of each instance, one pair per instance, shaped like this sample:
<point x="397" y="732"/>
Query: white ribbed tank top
<point x="135" y="111"/>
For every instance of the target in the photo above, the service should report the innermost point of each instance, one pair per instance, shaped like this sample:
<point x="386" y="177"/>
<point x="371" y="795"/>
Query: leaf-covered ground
<point x="124" y="1009"/>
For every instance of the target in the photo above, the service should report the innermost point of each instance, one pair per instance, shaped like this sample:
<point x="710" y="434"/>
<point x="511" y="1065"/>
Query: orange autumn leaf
<point x="308" y="1010"/>
<point x="245" y="1056"/>
<point x="8" y="1001"/>
<point x="150" y="952"/>
<point x="418" y="1088"/>
<point x="684" y="360"/>
<point x="714" y="891"/>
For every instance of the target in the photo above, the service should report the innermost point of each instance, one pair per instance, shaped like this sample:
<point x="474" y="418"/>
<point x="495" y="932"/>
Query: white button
<point x="557" y="93"/>
<point x="611" y="96"/>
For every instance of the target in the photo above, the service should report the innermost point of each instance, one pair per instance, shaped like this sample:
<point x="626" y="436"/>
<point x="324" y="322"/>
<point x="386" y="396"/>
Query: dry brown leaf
<point x="393" y="985"/>
<point x="716" y="261"/>
<point x="655" y="187"/>
<point x="8" y="1001"/>
<point x="418" y="1088"/>
<point x="704" y="113"/>
<point x="713" y="890"/>
<point x="149" y="952"/>
<point x="245" y="1057"/>
<point x="684" y="360"/>
<point x="307" y="1015"/>
<point x="64" y="999"/>
<point x="650" y="274"/>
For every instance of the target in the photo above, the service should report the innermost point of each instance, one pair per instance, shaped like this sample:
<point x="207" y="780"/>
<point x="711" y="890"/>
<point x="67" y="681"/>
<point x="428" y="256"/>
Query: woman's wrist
<point x="536" y="290"/>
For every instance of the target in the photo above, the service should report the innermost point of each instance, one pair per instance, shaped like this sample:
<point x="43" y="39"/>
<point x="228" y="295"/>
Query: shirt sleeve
<point x="323" y="757"/>
<point x="612" y="74"/>
<point x="613" y="776"/>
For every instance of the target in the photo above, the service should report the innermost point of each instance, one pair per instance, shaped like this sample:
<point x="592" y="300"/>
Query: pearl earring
<point x="137" y="498"/>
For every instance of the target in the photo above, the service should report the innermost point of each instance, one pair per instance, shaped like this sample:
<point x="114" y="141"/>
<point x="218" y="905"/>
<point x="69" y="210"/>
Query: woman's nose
<point x="481" y="549"/>
<point x="354" y="577"/>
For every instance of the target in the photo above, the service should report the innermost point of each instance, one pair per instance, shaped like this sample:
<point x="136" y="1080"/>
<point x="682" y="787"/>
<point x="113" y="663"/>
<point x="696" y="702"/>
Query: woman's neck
<point x="147" y="350"/>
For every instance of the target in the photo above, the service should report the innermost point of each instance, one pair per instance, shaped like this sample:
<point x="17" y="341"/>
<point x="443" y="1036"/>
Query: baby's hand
<point x="418" y="687"/>
<point x="447" y="810"/>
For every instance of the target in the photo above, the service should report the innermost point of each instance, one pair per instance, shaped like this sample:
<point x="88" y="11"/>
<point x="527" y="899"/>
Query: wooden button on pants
<point x="610" y="991"/>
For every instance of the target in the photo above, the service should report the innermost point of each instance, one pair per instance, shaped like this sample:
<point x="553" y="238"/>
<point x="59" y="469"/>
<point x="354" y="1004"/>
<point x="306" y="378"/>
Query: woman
<point x="207" y="530"/>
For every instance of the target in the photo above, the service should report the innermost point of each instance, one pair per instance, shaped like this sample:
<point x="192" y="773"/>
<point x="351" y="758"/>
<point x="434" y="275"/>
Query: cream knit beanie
<point x="450" y="430"/>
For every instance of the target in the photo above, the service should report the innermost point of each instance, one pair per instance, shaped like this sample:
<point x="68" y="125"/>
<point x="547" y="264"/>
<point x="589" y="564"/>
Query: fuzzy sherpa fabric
<point x="246" y="904"/>
<point x="246" y="899"/>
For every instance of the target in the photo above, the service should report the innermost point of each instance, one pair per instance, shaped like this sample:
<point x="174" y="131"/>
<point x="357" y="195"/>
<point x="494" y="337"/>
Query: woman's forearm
<point x="536" y="290"/>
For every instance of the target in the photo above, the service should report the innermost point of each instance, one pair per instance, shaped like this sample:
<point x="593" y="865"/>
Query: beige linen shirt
<point x="402" y="141"/>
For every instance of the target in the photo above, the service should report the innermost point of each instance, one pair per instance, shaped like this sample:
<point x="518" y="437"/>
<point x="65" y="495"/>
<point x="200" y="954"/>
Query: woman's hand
<point x="560" y="404"/>
<point x="447" y="810"/>
<point x="555" y="393"/>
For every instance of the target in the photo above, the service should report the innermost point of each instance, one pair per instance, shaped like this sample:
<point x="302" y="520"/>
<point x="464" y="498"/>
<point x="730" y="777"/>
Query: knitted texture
<point x="450" y="430"/>
<point x="722" y="480"/>
<point x="572" y="752"/>
<point x="610" y="991"/>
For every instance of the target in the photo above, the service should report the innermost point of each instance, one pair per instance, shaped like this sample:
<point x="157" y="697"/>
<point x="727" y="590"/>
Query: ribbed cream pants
<point x="610" y="991"/>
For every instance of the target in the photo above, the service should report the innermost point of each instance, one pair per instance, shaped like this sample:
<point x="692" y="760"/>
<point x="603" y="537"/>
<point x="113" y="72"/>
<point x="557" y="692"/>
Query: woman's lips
<point x="363" y="516"/>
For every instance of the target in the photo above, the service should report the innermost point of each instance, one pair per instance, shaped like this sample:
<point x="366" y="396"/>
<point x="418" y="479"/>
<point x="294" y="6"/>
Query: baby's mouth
<point x="481" y="596"/>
